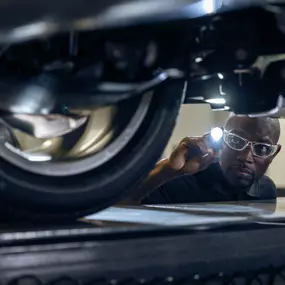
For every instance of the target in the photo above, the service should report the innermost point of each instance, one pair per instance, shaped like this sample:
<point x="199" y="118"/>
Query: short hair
<point x="271" y="120"/>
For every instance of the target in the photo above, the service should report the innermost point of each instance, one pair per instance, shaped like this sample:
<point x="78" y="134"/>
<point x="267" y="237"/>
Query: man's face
<point x="241" y="168"/>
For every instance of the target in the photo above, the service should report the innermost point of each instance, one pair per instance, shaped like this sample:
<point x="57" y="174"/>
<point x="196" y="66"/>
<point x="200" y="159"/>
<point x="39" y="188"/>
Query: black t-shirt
<point x="209" y="185"/>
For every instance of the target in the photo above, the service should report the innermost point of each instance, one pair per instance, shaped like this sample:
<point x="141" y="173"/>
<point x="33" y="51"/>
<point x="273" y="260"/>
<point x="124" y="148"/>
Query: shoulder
<point x="267" y="182"/>
<point x="179" y="190"/>
<point x="267" y="188"/>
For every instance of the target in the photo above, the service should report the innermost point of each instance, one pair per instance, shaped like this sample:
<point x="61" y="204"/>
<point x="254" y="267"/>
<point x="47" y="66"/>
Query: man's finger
<point x="193" y="149"/>
<point x="193" y="142"/>
<point x="207" y="160"/>
<point x="204" y="148"/>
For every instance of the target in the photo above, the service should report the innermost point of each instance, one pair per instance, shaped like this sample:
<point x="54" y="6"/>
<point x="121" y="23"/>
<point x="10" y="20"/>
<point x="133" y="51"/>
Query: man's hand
<point x="192" y="155"/>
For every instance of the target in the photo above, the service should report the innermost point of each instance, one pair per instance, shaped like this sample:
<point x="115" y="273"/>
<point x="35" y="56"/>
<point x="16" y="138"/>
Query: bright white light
<point x="216" y="101"/>
<point x="198" y="59"/>
<point x="216" y="134"/>
<point x="30" y="30"/>
<point x="209" y="6"/>
<point x="220" y="75"/>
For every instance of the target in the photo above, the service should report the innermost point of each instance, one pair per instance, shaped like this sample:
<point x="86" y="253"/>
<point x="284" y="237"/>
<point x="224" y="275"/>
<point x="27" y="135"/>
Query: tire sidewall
<point x="21" y="195"/>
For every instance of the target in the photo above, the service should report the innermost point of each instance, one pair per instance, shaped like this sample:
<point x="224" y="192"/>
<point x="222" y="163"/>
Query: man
<point x="192" y="174"/>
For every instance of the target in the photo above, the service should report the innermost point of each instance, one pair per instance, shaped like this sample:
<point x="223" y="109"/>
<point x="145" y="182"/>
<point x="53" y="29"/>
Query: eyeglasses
<point x="262" y="150"/>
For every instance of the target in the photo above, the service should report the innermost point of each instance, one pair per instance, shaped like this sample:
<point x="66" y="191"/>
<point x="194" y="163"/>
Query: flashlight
<point x="215" y="140"/>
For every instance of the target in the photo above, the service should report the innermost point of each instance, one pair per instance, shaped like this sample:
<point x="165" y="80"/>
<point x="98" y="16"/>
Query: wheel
<point x="89" y="174"/>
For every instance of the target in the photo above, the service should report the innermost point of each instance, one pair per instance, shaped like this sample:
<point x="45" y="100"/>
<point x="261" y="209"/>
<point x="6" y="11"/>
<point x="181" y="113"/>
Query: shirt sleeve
<point x="183" y="189"/>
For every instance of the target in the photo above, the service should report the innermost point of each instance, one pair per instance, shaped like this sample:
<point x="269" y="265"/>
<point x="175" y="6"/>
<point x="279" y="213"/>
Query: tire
<point x="26" y="195"/>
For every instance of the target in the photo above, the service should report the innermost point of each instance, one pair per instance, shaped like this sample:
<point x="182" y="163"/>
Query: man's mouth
<point x="242" y="171"/>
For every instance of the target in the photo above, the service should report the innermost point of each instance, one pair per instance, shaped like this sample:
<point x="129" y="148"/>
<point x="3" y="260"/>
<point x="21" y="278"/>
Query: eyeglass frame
<point x="251" y="144"/>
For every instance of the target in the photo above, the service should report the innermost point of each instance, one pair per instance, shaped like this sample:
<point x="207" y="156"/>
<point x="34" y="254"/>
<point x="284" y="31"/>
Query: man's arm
<point x="190" y="157"/>
<point x="161" y="174"/>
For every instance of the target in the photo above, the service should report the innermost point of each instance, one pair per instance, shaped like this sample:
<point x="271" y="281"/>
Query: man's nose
<point x="246" y="155"/>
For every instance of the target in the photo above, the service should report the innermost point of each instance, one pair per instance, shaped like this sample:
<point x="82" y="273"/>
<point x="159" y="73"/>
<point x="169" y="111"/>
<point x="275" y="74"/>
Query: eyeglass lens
<point x="238" y="143"/>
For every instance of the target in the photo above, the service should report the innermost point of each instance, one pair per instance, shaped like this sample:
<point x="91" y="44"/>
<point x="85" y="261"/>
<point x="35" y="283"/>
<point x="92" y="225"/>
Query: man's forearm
<point x="158" y="176"/>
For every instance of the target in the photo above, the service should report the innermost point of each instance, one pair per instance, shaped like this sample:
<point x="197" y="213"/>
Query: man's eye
<point x="235" y="140"/>
<point x="263" y="150"/>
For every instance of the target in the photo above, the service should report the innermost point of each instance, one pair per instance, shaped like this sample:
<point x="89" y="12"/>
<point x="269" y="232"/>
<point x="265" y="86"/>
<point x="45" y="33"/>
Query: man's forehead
<point x="254" y="128"/>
